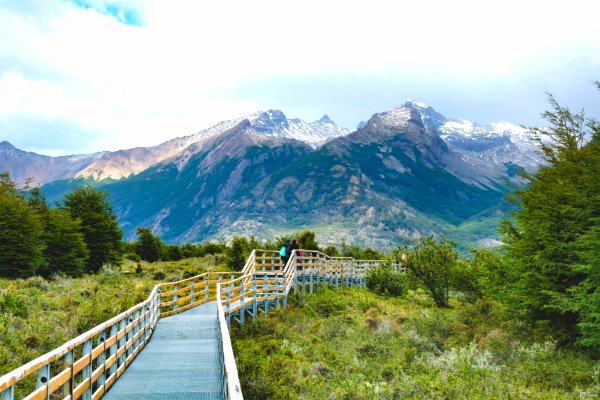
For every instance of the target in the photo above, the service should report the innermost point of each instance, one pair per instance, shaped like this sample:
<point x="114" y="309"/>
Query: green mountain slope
<point x="390" y="180"/>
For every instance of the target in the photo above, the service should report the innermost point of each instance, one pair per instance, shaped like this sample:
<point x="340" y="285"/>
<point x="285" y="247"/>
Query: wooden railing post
<point x="228" y="305"/>
<point x="295" y="272"/>
<point x="102" y="359"/>
<point x="113" y="350"/>
<point x="243" y="300"/>
<point x="122" y="341"/>
<point x="319" y="259"/>
<point x="8" y="394"/>
<point x="86" y="373"/>
<point x="43" y="379"/>
<point x="266" y="295"/>
<point x="192" y="293"/>
<point x="310" y="275"/>
<point x="175" y="299"/>
<point x="255" y="304"/>
<point x="68" y="363"/>
<point x="303" y="275"/>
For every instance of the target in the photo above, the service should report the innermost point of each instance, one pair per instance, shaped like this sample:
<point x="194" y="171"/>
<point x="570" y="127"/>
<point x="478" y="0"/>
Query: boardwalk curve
<point x="179" y="337"/>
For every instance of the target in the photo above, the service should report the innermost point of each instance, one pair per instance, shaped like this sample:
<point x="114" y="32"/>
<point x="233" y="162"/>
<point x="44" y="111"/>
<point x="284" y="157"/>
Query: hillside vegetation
<point x="353" y="344"/>
<point x="39" y="315"/>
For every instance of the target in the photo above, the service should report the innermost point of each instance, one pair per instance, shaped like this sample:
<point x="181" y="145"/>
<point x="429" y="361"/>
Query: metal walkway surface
<point x="180" y="362"/>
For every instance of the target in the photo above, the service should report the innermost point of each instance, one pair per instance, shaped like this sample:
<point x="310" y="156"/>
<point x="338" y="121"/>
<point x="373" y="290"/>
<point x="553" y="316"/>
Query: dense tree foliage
<point x="65" y="251"/>
<point x="385" y="280"/>
<point x="99" y="225"/>
<point x="551" y="244"/>
<point x="236" y="253"/>
<point x="148" y="246"/>
<point x="431" y="265"/>
<point x="20" y="232"/>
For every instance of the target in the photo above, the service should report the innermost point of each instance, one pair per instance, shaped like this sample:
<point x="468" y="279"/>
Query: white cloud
<point x="186" y="67"/>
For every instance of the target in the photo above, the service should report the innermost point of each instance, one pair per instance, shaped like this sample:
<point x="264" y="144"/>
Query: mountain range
<point x="405" y="172"/>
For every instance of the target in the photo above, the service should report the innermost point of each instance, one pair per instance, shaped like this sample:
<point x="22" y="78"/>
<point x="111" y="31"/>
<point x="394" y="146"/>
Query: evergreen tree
<point x="174" y="252"/>
<point x="99" y="225"/>
<point x="20" y="232"/>
<point x="331" y="251"/>
<point x="306" y="241"/>
<point x="148" y="246"/>
<point x="236" y="257"/>
<point x="549" y="251"/>
<point x="65" y="250"/>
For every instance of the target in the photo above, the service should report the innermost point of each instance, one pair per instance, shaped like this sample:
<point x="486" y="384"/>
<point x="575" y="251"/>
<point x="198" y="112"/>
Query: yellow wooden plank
<point x="39" y="394"/>
<point x="120" y="371"/>
<point x="110" y="380"/>
<point x="111" y="340"/>
<point x="111" y="360"/>
<point x="98" y="393"/>
<point x="79" y="390"/>
<point x="81" y="363"/>
<point x="97" y="373"/>
<point x="60" y="379"/>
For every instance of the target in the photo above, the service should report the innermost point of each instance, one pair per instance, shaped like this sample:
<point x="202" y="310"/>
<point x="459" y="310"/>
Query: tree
<point x="430" y="265"/>
<point x="99" y="225"/>
<point x="148" y="246"/>
<point x="236" y="257"/>
<point x="331" y="251"/>
<point x="549" y="244"/>
<point x="20" y="231"/>
<point x="174" y="252"/>
<point x="306" y="241"/>
<point x="65" y="250"/>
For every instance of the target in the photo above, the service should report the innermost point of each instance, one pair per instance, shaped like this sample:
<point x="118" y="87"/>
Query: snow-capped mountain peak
<point x="499" y="144"/>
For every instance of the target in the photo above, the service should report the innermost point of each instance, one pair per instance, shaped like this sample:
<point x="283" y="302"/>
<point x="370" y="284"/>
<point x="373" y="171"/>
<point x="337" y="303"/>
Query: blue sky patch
<point x="122" y="11"/>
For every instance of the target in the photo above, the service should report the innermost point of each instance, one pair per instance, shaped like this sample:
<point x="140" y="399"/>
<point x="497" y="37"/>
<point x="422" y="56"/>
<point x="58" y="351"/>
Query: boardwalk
<point x="179" y="363"/>
<point x="175" y="344"/>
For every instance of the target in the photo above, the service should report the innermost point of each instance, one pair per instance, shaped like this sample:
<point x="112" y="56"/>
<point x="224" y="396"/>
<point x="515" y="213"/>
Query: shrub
<point x="33" y="341"/>
<point x="383" y="280"/>
<point x="10" y="302"/>
<point x="159" y="276"/>
<point x="133" y="257"/>
<point x="138" y="269"/>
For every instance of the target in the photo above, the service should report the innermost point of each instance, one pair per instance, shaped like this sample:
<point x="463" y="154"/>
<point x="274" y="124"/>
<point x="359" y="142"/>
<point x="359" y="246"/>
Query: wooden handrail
<point x="132" y="329"/>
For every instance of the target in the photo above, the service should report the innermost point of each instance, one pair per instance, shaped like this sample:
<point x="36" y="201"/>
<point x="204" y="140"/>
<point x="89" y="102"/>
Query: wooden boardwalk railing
<point x="87" y="366"/>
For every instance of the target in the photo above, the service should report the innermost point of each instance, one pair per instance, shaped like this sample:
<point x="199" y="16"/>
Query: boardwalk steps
<point x="190" y="354"/>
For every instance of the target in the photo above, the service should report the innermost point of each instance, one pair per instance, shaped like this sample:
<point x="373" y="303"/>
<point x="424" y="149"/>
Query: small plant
<point x="33" y="341"/>
<point x="159" y="276"/>
<point x="138" y="269"/>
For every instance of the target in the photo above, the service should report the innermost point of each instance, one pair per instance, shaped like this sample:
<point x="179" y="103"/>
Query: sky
<point x="80" y="76"/>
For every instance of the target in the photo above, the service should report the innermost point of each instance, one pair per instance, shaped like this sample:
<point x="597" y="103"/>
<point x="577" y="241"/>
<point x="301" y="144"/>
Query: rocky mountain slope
<point x="24" y="164"/>
<point x="124" y="163"/>
<point x="500" y="145"/>
<point x="405" y="172"/>
<point x="390" y="180"/>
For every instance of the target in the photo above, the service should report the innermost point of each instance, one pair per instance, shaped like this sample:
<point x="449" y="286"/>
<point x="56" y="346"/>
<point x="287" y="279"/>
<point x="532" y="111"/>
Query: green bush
<point x="11" y="303"/>
<point x="383" y="280"/>
<point x="133" y="257"/>
<point x="430" y="265"/>
<point x="159" y="276"/>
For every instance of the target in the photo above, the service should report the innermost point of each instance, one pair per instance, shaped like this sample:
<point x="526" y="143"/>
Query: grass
<point x="352" y="344"/>
<point x="346" y="344"/>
